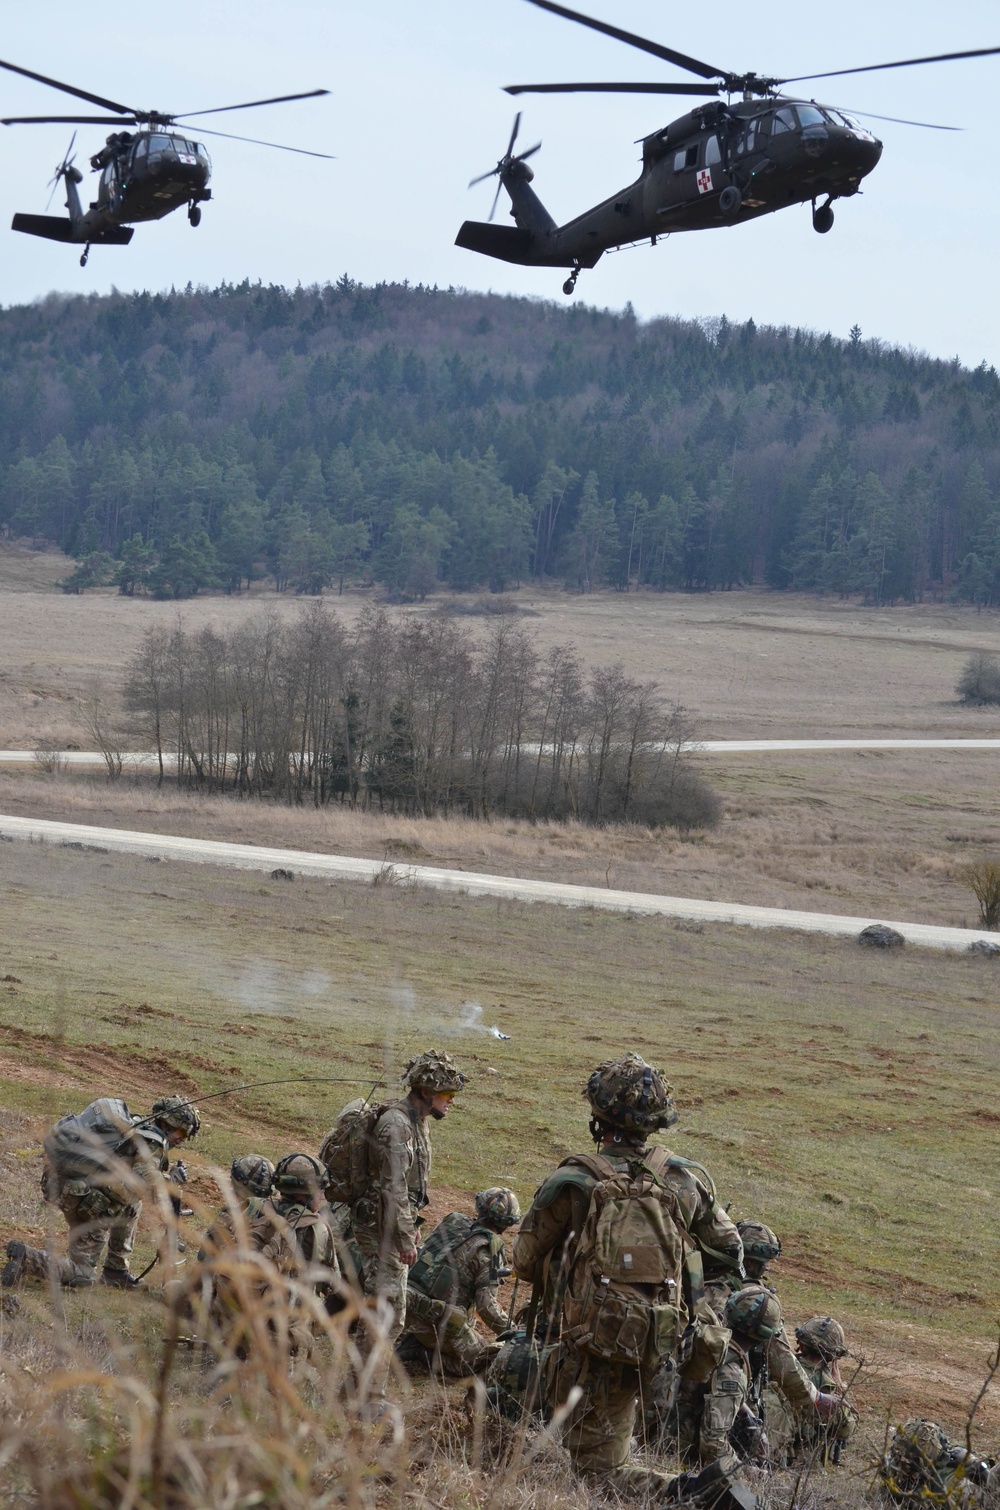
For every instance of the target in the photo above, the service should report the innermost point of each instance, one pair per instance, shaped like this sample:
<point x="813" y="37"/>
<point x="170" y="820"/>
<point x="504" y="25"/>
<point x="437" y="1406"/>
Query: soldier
<point x="609" y="1245"/>
<point x="722" y="1427"/>
<point x="922" y="1467"/>
<point x="821" y="1344"/>
<point x="386" y="1220"/>
<point x="94" y="1163"/>
<point x="250" y="1177"/>
<point x="772" y="1362"/>
<point x="459" y="1268"/>
<point x="293" y="1232"/>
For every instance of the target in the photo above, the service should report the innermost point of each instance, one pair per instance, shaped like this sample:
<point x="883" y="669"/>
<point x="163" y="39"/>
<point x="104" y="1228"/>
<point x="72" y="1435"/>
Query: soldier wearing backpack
<point x="378" y="1160"/>
<point x="96" y="1164"/>
<point x="456" y="1275"/>
<point x="612" y="1245"/>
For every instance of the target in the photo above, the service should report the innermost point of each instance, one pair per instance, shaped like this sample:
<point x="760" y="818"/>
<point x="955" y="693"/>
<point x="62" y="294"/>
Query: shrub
<point x="984" y="878"/>
<point x="980" y="679"/>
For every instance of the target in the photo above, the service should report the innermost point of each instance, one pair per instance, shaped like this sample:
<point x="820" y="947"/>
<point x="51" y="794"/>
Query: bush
<point x="980" y="679"/>
<point x="984" y="878"/>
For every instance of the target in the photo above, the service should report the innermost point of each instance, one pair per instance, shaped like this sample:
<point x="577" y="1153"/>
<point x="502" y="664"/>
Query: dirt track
<point x="255" y="857"/>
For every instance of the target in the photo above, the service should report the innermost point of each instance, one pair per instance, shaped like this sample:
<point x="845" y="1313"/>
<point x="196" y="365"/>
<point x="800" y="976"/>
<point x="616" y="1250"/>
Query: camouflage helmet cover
<point x="631" y="1095"/>
<point x="824" y="1336"/>
<point x="434" y="1071"/>
<point x="759" y="1242"/>
<point x="253" y="1172"/>
<point x="498" y="1207"/>
<point x="918" y="1442"/>
<point x="176" y="1111"/>
<point x="755" y="1311"/>
<point x="299" y="1175"/>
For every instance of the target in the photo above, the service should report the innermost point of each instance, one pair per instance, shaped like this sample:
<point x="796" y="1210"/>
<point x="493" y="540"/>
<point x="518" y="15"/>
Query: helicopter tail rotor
<point x="506" y="164"/>
<point x="61" y="171"/>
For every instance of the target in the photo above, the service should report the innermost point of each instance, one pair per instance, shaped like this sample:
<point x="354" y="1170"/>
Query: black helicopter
<point x="721" y="164"/>
<point x="144" y="175"/>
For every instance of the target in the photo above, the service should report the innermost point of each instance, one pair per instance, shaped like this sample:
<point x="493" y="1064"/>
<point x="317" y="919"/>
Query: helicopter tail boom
<point x="55" y="228"/>
<point x="509" y="244"/>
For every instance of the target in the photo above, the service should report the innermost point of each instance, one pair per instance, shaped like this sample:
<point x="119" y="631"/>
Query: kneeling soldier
<point x="459" y="1268"/>
<point x="821" y="1345"/>
<point x="95" y="1165"/>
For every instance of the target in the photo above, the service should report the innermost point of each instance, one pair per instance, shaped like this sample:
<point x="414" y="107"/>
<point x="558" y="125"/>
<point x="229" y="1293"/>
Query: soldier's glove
<point x="827" y="1406"/>
<point x="511" y="1331"/>
<point x="178" y="1173"/>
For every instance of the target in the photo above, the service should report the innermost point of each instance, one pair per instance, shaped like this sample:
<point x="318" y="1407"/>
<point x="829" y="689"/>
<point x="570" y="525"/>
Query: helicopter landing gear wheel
<point x="823" y="218"/>
<point x="730" y="201"/>
<point x="569" y="287"/>
<point x="194" y="214"/>
<point x="85" y="255"/>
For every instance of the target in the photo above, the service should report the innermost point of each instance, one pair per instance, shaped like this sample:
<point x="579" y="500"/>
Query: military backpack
<point x="436" y="1273"/>
<point x="82" y="1145"/>
<point x="624" y="1298"/>
<point x="346" y="1151"/>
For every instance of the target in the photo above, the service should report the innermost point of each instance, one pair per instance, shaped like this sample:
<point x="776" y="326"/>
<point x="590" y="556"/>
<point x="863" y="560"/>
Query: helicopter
<point x="145" y="174"/>
<point x="722" y="164"/>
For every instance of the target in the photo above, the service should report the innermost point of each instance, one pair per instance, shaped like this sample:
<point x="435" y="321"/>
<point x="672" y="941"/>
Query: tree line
<point x="410" y="717"/>
<point x="416" y="437"/>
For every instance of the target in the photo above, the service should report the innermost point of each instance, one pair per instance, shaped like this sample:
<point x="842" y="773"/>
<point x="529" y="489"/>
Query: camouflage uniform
<point x="627" y="1096"/>
<point x="783" y="1371"/>
<point x="293" y="1231"/>
<point x="386" y="1219"/>
<point x="463" y="1275"/>
<point x="93" y="1163"/>
<point x="921" y="1467"/>
<point x="822" y="1344"/>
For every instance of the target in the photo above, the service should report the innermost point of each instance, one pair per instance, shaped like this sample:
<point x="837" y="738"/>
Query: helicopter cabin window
<point x="748" y="140"/>
<point x="782" y="120"/>
<point x="713" y="153"/>
<point x="686" y="158"/>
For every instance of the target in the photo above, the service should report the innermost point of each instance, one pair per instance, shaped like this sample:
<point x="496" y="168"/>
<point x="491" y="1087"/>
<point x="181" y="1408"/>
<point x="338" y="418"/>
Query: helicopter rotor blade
<point x="61" y="171"/>
<point x="513" y="134"/>
<point x="667" y="54"/>
<point x="81" y="94"/>
<point x="941" y="57"/>
<point x="698" y="89"/>
<point x="522" y="157"/>
<point x="71" y="120"/>
<point x="254" y="141"/>
<point x="898" y="120"/>
<point x="279" y="99"/>
<point x="496" y="200"/>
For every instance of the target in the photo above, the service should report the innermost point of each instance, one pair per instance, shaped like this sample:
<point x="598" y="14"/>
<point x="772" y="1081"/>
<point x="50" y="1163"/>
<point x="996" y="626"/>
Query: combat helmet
<point x="755" y="1312"/>
<point x="824" y="1336"/>
<point x="176" y="1111"/>
<point x="434" y="1072"/>
<point x="760" y="1244"/>
<point x="918" y="1443"/>
<point x="299" y="1177"/>
<point x="498" y="1208"/>
<point x="253" y="1172"/>
<point x="629" y="1095"/>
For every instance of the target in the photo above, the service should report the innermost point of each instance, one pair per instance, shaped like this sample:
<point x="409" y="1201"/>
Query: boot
<point x="13" y="1269"/>
<point x="119" y="1279"/>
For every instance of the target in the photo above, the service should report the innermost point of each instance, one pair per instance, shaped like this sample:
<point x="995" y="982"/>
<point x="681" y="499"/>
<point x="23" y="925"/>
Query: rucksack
<point x="345" y="1151"/>
<point x="82" y="1145"/>
<point x="435" y="1272"/>
<point x="624" y="1296"/>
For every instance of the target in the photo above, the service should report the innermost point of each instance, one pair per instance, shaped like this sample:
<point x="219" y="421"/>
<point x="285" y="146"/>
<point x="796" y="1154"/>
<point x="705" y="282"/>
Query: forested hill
<point x="415" y="436"/>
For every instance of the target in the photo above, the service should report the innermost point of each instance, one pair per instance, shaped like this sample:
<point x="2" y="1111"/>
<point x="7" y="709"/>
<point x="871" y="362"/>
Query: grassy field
<point x="846" y="1098"/>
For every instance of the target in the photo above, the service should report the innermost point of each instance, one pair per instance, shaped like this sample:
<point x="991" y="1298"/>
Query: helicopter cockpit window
<point x="140" y="147"/>
<point x="748" y="139"/>
<point x="782" y="120"/>
<point x="809" y="115"/>
<point x="161" y="144"/>
<point x="840" y="119"/>
<point x="713" y="152"/>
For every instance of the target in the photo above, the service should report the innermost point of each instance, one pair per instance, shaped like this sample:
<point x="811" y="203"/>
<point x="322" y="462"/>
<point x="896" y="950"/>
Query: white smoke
<point x="472" y="1021"/>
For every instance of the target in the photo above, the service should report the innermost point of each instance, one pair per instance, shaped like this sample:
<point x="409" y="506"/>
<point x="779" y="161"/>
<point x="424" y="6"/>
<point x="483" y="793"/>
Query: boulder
<point x="983" y="946"/>
<point x="881" y="936"/>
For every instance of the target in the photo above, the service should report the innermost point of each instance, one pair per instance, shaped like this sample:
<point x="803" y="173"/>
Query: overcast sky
<point x="416" y="110"/>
